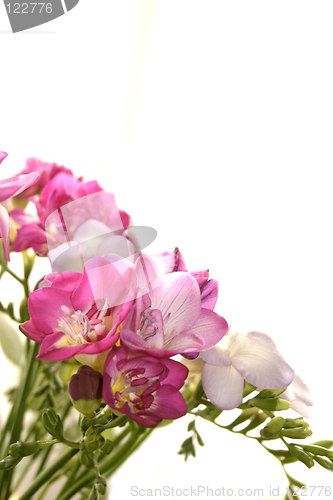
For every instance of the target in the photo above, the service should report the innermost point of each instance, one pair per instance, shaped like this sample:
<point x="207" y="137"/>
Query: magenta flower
<point x="69" y="320"/>
<point x="144" y="388"/>
<point x="9" y="188"/>
<point x="46" y="172"/>
<point x="168" y="262"/>
<point x="59" y="191"/>
<point x="171" y="320"/>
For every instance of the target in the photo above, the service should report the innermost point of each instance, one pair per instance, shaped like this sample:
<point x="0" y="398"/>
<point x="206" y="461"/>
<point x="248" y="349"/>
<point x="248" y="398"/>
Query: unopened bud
<point x="85" y="389"/>
<point x="106" y="447"/>
<point x="324" y="463"/>
<point x="20" y="449"/>
<point x="318" y="450"/>
<point x="301" y="455"/>
<point x="52" y="423"/>
<point x="87" y="460"/>
<point x="101" y="485"/>
<point x="296" y="433"/>
<point x="275" y="425"/>
<point x="9" y="462"/>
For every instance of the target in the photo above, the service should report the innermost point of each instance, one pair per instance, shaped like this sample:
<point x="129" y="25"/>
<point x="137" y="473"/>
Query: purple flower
<point x="144" y="388"/>
<point x="171" y="319"/>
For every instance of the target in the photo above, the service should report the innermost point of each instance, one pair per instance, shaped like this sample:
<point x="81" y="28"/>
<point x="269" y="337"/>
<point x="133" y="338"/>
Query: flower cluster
<point x="134" y="321"/>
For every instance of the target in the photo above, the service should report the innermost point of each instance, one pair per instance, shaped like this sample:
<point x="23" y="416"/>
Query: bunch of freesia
<point x="120" y="342"/>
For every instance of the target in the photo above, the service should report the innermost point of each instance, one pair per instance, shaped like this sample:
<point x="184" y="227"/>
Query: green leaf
<point x="187" y="448"/>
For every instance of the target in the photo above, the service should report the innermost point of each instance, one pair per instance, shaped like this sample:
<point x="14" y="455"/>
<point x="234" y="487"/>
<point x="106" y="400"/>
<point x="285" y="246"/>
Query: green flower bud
<point x="318" y="450"/>
<point x="296" y="433"/>
<point x="295" y="422"/>
<point x="271" y="404"/>
<point x="324" y="463"/>
<point x="301" y="455"/>
<point x="9" y="462"/>
<point x="87" y="460"/>
<point x="20" y="449"/>
<point x="324" y="444"/>
<point x="92" y="441"/>
<point x="275" y="425"/>
<point x="101" y="485"/>
<point x="106" y="447"/>
<point x="52" y="423"/>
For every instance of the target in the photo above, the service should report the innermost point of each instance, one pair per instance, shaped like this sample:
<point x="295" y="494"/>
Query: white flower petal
<point x="260" y="363"/>
<point x="216" y="356"/>
<point x="223" y="385"/>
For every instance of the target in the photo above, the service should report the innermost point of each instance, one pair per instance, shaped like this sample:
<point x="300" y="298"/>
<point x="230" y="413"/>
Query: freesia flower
<point x="46" y="172"/>
<point x="69" y="321"/>
<point x="143" y="387"/>
<point x="171" y="320"/>
<point x="299" y="396"/>
<point x="168" y="262"/>
<point x="59" y="191"/>
<point x="252" y="357"/>
<point x="10" y="188"/>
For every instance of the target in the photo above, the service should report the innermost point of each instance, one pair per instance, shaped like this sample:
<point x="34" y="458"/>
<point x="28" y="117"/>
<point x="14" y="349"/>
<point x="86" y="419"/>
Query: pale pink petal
<point x="260" y="363"/>
<point x="15" y="185"/>
<point x="210" y="327"/>
<point x="299" y="396"/>
<point x="223" y="386"/>
<point x="177" y="296"/>
<point x="216" y="356"/>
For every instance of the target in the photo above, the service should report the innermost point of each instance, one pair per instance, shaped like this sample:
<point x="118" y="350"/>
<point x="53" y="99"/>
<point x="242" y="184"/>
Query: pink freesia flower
<point x="76" y="221"/>
<point x="46" y="172"/>
<point x="10" y="188"/>
<point x="168" y="262"/>
<point x="252" y="357"/>
<point x="68" y="318"/>
<point x="59" y="191"/>
<point x="171" y="320"/>
<point x="143" y="387"/>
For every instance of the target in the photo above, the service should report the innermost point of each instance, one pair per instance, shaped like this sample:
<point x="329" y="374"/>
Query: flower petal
<point x="210" y="327"/>
<point x="259" y="362"/>
<point x="15" y="185"/>
<point x="177" y="296"/>
<point x="223" y="385"/>
<point x="47" y="306"/>
<point x="4" y="231"/>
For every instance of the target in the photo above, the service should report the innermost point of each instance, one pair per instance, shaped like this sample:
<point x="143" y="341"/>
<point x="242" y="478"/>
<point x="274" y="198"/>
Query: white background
<point x="212" y="122"/>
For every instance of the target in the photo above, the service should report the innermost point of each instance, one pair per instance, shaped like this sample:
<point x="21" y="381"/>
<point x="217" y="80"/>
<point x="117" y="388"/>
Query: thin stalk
<point x="41" y="479"/>
<point x="110" y="465"/>
<point x="19" y="407"/>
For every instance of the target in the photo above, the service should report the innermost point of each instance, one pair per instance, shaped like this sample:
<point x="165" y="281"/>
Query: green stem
<point x="47" y="474"/>
<point x="110" y="465"/>
<point x="18" y="416"/>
